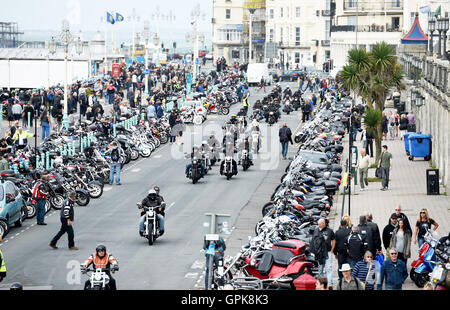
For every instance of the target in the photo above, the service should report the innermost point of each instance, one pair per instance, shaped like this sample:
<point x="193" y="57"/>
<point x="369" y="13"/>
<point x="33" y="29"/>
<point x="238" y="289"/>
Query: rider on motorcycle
<point x="233" y="119"/>
<point x="229" y="150"/>
<point x="153" y="199"/>
<point x="195" y="154"/>
<point x="101" y="259"/>
<point x="245" y="145"/>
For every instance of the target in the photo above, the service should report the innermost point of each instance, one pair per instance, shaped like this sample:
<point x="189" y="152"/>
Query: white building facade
<point x="301" y="28"/>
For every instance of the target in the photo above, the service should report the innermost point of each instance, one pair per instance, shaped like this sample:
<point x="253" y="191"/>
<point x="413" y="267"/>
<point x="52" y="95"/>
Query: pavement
<point x="407" y="188"/>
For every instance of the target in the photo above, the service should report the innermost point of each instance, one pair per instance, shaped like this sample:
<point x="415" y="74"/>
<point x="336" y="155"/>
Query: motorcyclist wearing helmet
<point x="153" y="199"/>
<point x="229" y="150"/>
<point x="245" y="145"/>
<point x="233" y="119"/>
<point x="205" y="148"/>
<point x="195" y="154"/>
<point x="102" y="259"/>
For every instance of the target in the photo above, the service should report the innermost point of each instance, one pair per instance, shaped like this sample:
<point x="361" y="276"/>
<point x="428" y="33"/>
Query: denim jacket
<point x="395" y="274"/>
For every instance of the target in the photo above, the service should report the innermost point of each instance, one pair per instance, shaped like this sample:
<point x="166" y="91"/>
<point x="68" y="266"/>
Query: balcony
<point x="365" y="28"/>
<point x="373" y="6"/>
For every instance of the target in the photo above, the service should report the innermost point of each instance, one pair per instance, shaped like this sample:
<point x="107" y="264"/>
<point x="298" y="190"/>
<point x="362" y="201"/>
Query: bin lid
<point x="419" y="136"/>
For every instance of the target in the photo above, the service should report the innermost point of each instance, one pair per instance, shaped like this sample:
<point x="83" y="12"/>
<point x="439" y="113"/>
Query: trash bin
<point x="432" y="181"/>
<point x="406" y="139"/>
<point x="419" y="146"/>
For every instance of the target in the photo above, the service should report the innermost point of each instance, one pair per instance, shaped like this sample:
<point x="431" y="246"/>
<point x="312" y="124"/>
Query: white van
<point x="256" y="71"/>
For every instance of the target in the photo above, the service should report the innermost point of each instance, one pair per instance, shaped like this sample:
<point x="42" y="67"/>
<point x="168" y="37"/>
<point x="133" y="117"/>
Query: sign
<point x="354" y="156"/>
<point x="147" y="71"/>
<point x="196" y="61"/>
<point x="219" y="224"/>
<point x="116" y="70"/>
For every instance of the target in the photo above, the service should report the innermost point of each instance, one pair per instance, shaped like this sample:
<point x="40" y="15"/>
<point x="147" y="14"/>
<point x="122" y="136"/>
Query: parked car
<point x="291" y="75"/>
<point x="209" y="56"/>
<point x="317" y="159"/>
<point x="275" y="76"/>
<point x="12" y="209"/>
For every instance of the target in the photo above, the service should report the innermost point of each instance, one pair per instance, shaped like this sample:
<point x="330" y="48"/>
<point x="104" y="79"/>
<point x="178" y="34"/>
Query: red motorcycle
<point x="279" y="267"/>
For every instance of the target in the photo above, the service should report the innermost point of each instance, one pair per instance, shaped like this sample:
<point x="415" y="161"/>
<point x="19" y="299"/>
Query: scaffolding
<point x="9" y="35"/>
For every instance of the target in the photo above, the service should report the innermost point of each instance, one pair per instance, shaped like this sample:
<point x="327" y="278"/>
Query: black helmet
<point x="99" y="248"/>
<point x="16" y="286"/>
<point x="156" y="188"/>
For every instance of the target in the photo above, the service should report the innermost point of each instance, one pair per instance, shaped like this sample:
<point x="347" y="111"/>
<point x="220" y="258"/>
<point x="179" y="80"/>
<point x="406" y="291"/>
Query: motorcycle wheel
<point x="134" y="154"/>
<point x="95" y="190"/>
<point x="164" y="139"/>
<point x="413" y="274"/>
<point x="57" y="201"/>
<point x="150" y="234"/>
<point x="198" y="120"/>
<point x="48" y="206"/>
<point x="82" y="198"/>
<point x="4" y="228"/>
<point x="225" y="111"/>
<point x="421" y="279"/>
<point x="146" y="152"/>
<point x="157" y="142"/>
<point x="24" y="212"/>
<point x="228" y="176"/>
<point x="267" y="207"/>
<point x="31" y="211"/>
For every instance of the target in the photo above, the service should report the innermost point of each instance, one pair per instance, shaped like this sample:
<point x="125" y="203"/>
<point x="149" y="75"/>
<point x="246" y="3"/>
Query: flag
<point x="438" y="12"/>
<point x="119" y="17"/>
<point x="110" y="18"/>
<point x="425" y="9"/>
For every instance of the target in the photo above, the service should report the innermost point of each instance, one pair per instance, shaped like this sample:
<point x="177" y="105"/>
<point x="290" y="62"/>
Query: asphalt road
<point x="113" y="219"/>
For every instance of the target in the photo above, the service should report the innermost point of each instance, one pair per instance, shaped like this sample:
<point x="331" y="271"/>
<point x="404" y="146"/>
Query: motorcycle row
<point x="280" y="254"/>
<point x="84" y="171"/>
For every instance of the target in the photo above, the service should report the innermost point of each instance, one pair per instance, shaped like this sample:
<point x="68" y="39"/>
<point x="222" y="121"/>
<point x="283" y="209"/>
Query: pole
<point x="250" y="41"/>
<point x="65" y="117"/>
<point x="106" y="41"/>
<point x="350" y="160"/>
<point x="195" y="58"/>
<point x="357" y="22"/>
<point x="48" y="71"/>
<point x="35" y="139"/>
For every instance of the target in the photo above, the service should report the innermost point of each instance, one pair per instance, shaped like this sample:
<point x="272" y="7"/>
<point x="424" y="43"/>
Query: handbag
<point x="367" y="277"/>
<point x="378" y="173"/>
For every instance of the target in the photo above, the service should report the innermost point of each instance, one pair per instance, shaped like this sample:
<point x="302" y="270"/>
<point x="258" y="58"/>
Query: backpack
<point x="115" y="155"/>
<point x="358" y="287"/>
<point x="318" y="247"/>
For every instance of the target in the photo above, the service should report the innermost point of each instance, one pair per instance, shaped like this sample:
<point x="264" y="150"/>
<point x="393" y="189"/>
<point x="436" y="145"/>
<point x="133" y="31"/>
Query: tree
<point x="372" y="75"/>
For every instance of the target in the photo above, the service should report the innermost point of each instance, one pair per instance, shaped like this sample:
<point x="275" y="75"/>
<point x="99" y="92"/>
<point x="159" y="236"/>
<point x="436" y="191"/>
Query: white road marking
<point x="22" y="231"/>
<point x="28" y="228"/>
<point x="171" y="205"/>
<point x="157" y="156"/>
<point x="136" y="170"/>
<point x="17" y="234"/>
<point x="191" y="275"/>
<point x="198" y="265"/>
<point x="107" y="189"/>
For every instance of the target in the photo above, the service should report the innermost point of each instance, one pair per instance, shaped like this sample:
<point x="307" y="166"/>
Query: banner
<point x="110" y="18"/>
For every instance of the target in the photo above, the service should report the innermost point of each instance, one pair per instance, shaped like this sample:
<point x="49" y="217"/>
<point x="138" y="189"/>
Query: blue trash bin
<point x="419" y="146"/>
<point x="406" y="139"/>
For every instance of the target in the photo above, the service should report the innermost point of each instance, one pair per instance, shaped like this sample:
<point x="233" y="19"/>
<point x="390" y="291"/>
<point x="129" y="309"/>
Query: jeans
<point x="64" y="229"/>
<point x="284" y="150"/>
<point x="45" y="130"/>
<point x="384" y="177"/>
<point x="420" y="241"/>
<point x="216" y="259"/>
<point x="189" y="166"/>
<point x="40" y="210"/>
<point x="355" y="133"/>
<point x="110" y="98"/>
<point x="160" y="220"/>
<point x="328" y="267"/>
<point x="115" y="168"/>
<point x="393" y="288"/>
<point x="363" y="181"/>
<point x="342" y="259"/>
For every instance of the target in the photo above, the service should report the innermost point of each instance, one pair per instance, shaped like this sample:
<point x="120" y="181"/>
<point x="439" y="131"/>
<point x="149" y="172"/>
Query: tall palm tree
<point x="372" y="75"/>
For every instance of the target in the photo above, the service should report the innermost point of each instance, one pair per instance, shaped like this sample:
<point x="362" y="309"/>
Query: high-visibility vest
<point x="3" y="265"/>
<point x="245" y="102"/>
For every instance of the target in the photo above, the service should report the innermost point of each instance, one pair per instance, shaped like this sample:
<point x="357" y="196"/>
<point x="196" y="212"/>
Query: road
<point x="172" y="263"/>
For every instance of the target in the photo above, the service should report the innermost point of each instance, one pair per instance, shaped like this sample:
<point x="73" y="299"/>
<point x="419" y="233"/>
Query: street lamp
<point x="65" y="38"/>
<point x="431" y="29"/>
<point x="440" y="29"/>
<point x="445" y="27"/>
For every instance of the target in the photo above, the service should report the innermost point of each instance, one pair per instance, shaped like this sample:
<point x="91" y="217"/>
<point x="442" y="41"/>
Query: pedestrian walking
<point x="67" y="218"/>
<point x="306" y="109"/>
<point x="423" y="224"/>
<point x="347" y="218"/>
<point x="172" y="123"/>
<point x="391" y="124"/>
<point x="388" y="231"/>
<point x="285" y="135"/>
<point x="363" y="169"/>
<point x="116" y="153"/>
<point x="411" y="122"/>
<point x="329" y="239"/>
<point x="393" y="272"/>
<point x="348" y="282"/>
<point x="403" y="125"/>
<point x="400" y="215"/>
<point x="245" y="103"/>
<point x="366" y="232"/>
<point x="384" y="125"/>
<point x="367" y="271"/>
<point x="401" y="241"/>
<point x="385" y="164"/>
<point x="45" y="124"/>
<point x="40" y="197"/>
<point x="375" y="233"/>
<point x="17" y="111"/>
<point x="397" y="123"/>
<point x="340" y="250"/>
<point x="355" y="245"/>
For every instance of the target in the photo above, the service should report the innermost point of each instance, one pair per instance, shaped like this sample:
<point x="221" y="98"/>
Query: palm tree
<point x="372" y="75"/>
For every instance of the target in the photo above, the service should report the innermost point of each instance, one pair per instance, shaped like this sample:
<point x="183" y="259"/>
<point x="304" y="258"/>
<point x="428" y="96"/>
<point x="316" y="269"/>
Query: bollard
<point x="42" y="160"/>
<point x="47" y="163"/>
<point x="1" y="112"/>
<point x="81" y="145"/>
<point x="15" y="168"/>
<point x="114" y="130"/>
<point x="51" y="163"/>
<point x="73" y="148"/>
<point x="37" y="162"/>
<point x="65" y="150"/>
<point x="29" y="119"/>
<point x="142" y="116"/>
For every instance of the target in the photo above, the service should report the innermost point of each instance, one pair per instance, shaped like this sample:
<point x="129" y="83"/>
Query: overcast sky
<point x="39" y="18"/>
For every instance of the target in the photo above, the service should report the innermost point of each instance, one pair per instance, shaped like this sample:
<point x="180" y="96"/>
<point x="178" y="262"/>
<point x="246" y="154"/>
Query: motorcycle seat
<point x="282" y="257"/>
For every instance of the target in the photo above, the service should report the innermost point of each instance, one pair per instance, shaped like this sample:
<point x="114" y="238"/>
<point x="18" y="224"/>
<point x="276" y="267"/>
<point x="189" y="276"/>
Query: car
<point x="291" y="75"/>
<point x="275" y="76"/>
<point x="12" y="208"/>
<point x="209" y="56"/>
<point x="317" y="159"/>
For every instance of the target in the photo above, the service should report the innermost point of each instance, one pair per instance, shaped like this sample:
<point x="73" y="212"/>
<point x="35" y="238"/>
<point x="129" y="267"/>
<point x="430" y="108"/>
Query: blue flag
<point x="110" y="18"/>
<point x="119" y="17"/>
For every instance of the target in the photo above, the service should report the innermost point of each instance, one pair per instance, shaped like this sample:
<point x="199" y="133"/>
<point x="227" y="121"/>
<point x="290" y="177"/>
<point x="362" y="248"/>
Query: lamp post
<point x="445" y="27"/>
<point x="66" y="38"/>
<point x="431" y="29"/>
<point x="146" y="35"/>
<point x="440" y="28"/>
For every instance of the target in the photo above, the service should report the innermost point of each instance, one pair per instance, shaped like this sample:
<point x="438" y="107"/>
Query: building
<point x="301" y="28"/>
<point x="363" y="23"/>
<point x="228" y="30"/>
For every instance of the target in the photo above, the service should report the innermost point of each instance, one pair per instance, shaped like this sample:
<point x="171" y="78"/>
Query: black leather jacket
<point x="154" y="201"/>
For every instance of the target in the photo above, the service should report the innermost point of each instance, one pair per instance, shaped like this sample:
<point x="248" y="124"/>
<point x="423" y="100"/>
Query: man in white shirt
<point x="363" y="167"/>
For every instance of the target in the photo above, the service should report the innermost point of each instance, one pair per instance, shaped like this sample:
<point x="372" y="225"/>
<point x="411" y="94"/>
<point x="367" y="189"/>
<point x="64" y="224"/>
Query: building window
<point x="297" y="58"/>
<point x="287" y="12"/>
<point x="297" y="36"/>
<point x="351" y="21"/>
<point x="281" y="34"/>
<point x="327" y="29"/>
<point x="352" y="3"/>
<point x="271" y="14"/>
<point x="327" y="55"/>
<point x="271" y="34"/>
<point x="228" y="14"/>
<point x="281" y="12"/>
<point x="396" y="4"/>
<point x="395" y="23"/>
<point x="297" y="12"/>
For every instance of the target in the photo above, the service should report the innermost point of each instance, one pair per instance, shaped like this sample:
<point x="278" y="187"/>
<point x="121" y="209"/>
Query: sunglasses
<point x="393" y="253"/>
<point x="422" y="213"/>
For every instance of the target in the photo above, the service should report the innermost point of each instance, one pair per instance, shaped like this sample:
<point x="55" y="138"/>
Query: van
<point x="256" y="71"/>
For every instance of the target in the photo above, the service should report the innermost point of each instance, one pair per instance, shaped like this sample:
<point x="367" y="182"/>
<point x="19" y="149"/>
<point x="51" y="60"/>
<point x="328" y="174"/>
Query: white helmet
<point x="152" y="192"/>
<point x="58" y="161"/>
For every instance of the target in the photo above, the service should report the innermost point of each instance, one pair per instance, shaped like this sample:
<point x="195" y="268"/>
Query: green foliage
<point x="372" y="119"/>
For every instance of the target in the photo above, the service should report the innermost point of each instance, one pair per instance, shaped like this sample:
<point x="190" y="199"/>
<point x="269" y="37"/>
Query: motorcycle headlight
<point x="150" y="213"/>
<point x="447" y="266"/>
<point x="194" y="162"/>
<point x="98" y="277"/>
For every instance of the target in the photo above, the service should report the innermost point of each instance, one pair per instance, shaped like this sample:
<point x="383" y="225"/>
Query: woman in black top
<point x="424" y="223"/>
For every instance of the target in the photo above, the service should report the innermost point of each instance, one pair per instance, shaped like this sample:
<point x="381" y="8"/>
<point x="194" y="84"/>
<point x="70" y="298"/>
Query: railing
<point x="365" y="28"/>
<point x="371" y="5"/>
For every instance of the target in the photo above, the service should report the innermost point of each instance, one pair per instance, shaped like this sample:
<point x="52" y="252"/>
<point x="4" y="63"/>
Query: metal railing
<point x="365" y="28"/>
<point x="371" y="5"/>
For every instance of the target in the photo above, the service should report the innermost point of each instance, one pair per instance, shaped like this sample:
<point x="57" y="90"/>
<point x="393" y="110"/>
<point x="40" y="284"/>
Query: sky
<point x="40" y="19"/>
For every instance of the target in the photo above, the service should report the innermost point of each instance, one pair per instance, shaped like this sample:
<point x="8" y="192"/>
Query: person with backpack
<point x="323" y="244"/>
<point x="116" y="151"/>
<point x="340" y="250"/>
<point x="348" y="282"/>
<point x="356" y="246"/>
